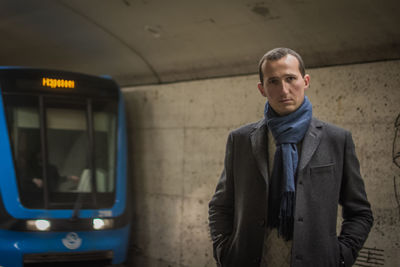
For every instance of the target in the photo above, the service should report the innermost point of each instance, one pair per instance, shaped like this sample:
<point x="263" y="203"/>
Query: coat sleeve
<point x="356" y="210"/>
<point x="221" y="206"/>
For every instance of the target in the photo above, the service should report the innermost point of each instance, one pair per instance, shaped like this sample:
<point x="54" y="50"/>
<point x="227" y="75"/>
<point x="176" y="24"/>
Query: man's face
<point x="283" y="84"/>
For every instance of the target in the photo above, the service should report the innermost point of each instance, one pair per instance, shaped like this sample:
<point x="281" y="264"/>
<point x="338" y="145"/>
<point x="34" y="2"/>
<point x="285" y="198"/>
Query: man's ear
<point x="261" y="89"/>
<point x="306" y="81"/>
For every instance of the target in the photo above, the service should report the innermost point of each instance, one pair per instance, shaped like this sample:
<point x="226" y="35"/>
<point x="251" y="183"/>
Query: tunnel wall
<point x="177" y="137"/>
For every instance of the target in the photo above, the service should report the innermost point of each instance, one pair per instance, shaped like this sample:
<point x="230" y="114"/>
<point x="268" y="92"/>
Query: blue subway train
<point x="63" y="169"/>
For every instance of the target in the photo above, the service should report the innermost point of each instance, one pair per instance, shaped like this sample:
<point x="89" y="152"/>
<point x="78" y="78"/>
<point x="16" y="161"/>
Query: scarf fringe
<point x="286" y="215"/>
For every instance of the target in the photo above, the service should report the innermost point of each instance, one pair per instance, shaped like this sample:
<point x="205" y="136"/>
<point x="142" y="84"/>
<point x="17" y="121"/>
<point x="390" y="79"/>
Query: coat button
<point x="301" y="182"/>
<point x="257" y="260"/>
<point x="261" y="223"/>
<point x="300" y="219"/>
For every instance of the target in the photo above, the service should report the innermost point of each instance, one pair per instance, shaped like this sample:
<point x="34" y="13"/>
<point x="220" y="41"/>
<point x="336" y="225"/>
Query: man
<point x="54" y="179"/>
<point x="276" y="201"/>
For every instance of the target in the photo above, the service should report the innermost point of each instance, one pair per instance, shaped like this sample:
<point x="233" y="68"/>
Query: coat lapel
<point x="259" y="144"/>
<point x="310" y="142"/>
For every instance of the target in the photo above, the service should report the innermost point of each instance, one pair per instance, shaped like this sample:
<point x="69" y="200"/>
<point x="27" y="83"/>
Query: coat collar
<point x="310" y="142"/>
<point x="259" y="144"/>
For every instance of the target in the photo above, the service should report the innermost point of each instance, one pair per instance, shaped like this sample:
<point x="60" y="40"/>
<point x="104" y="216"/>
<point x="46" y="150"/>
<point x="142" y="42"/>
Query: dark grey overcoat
<point x="328" y="175"/>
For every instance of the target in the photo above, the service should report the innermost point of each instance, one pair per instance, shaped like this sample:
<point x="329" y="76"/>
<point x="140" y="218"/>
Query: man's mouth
<point x="285" y="100"/>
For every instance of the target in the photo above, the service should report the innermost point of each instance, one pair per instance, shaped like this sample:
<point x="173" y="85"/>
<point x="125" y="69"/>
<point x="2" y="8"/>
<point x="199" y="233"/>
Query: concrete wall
<point x="177" y="135"/>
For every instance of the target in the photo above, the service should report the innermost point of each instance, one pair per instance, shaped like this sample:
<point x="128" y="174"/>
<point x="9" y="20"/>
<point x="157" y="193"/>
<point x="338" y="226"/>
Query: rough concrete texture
<point x="177" y="144"/>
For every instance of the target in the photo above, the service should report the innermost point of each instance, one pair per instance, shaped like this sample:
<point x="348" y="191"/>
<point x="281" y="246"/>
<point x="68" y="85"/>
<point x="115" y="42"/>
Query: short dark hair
<point x="278" y="53"/>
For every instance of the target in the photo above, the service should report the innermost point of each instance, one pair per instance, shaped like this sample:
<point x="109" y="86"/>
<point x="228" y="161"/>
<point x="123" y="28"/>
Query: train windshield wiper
<point x="90" y="187"/>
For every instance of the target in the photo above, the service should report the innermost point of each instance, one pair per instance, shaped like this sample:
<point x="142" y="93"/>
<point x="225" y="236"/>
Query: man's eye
<point x="273" y="81"/>
<point x="290" y="79"/>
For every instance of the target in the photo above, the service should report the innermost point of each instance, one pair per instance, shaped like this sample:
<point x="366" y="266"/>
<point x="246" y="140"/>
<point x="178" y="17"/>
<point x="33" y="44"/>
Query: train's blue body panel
<point x="14" y="245"/>
<point x="8" y="188"/>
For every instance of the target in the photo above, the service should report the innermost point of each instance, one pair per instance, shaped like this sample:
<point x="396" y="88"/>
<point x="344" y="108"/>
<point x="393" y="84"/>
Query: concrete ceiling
<point x="159" y="41"/>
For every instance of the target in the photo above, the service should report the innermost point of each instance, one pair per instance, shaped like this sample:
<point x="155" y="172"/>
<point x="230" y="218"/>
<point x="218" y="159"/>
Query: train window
<point x="67" y="144"/>
<point x="105" y="127"/>
<point x="71" y="150"/>
<point x="104" y="122"/>
<point x="24" y="129"/>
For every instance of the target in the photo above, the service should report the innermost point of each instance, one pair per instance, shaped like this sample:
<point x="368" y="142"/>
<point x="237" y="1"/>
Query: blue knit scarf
<point x="287" y="131"/>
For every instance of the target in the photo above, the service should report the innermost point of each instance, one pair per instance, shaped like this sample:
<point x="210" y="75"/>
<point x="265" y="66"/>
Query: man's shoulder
<point x="330" y="128"/>
<point x="247" y="129"/>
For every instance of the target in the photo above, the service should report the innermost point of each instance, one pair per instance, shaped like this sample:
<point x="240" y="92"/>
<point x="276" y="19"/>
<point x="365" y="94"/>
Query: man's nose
<point x="284" y="88"/>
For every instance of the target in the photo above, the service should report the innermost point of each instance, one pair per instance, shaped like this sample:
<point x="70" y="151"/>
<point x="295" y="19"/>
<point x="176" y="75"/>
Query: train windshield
<point x="64" y="150"/>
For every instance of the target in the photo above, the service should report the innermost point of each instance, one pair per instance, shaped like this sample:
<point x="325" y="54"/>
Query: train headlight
<point x="102" y="224"/>
<point x="38" y="225"/>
